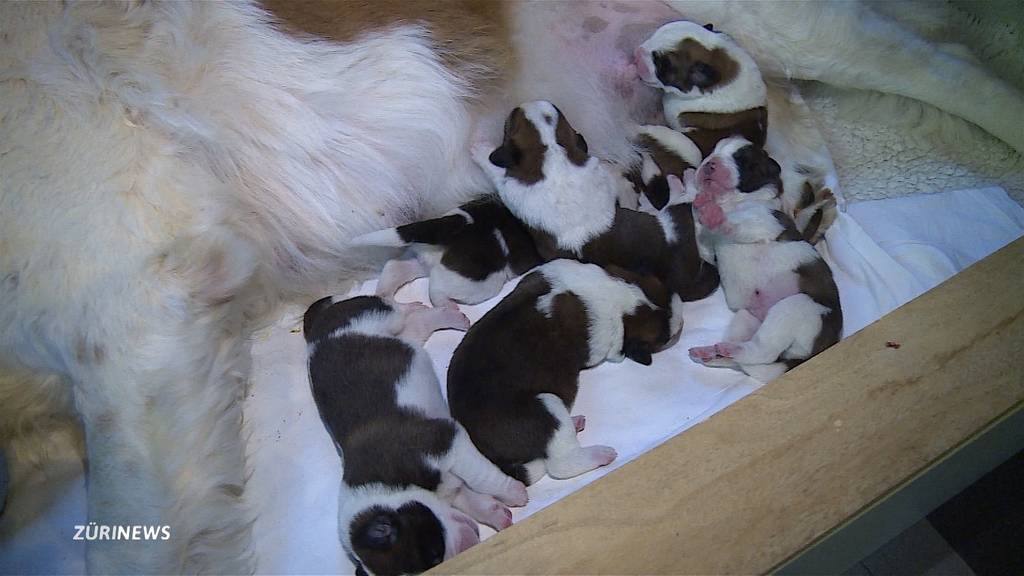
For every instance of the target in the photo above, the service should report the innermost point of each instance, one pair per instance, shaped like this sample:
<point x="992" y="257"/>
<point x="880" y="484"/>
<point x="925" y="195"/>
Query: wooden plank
<point x="765" y="477"/>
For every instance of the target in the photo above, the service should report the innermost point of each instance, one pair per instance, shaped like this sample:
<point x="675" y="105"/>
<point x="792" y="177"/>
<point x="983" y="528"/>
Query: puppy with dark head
<point x="663" y="153"/>
<point x="468" y="254"/>
<point x="786" y="301"/>
<point x="513" y="379"/>
<point x="712" y="87"/>
<point x="567" y="199"/>
<point x="413" y="485"/>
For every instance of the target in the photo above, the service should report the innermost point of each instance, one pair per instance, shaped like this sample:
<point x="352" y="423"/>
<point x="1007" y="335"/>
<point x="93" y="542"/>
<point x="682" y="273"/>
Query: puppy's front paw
<point x="702" y="354"/>
<point x="711" y="216"/>
<point x="579" y="423"/>
<point x="515" y="494"/>
<point x="726" y="349"/>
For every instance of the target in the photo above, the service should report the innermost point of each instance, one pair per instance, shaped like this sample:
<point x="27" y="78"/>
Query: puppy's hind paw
<point x="702" y="354"/>
<point x="579" y="423"/>
<point x="514" y="495"/>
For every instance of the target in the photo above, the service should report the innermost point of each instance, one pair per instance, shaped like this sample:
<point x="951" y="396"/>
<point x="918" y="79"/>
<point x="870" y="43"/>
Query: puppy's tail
<point x="313" y="314"/>
<point x="435" y="231"/>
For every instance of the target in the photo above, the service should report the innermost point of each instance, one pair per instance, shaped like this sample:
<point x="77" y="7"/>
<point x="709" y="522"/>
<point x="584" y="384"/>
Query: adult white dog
<point x="168" y="172"/>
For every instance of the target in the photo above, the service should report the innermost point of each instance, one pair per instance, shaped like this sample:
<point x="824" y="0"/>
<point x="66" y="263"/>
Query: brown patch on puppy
<point x="815" y="280"/>
<point x="407" y="540"/>
<point x="666" y="160"/>
<point x="636" y="242"/>
<point x="806" y="197"/>
<point x="472" y="37"/>
<point x="712" y="127"/>
<point x="789" y="232"/>
<point x="646" y="330"/>
<point x="573" y="142"/>
<point x="757" y="169"/>
<point x="691" y="65"/>
<point x="521" y="153"/>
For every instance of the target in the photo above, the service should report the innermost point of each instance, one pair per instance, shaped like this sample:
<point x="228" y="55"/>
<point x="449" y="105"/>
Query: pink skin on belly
<point x="603" y="36"/>
<point x="771" y="292"/>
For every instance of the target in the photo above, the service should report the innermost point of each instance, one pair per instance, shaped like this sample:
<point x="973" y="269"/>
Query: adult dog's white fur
<point x="168" y="171"/>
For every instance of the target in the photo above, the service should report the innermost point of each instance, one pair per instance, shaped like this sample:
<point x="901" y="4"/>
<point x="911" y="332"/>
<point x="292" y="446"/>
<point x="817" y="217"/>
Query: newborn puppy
<point x="411" y="474"/>
<point x="468" y="254"/>
<point x="513" y="379"/>
<point x="567" y="199"/>
<point x="663" y="153"/>
<point x="786" y="301"/>
<point x="713" y="88"/>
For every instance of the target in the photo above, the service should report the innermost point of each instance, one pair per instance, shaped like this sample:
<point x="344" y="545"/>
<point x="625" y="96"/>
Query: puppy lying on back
<point x="567" y="199"/>
<point x="411" y="474"/>
<point x="713" y="89"/>
<point x="663" y="153"/>
<point x="786" y="301"/>
<point x="468" y="254"/>
<point x="513" y="379"/>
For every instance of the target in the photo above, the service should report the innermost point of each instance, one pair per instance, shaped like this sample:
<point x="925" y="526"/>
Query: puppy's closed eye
<point x="703" y="75"/>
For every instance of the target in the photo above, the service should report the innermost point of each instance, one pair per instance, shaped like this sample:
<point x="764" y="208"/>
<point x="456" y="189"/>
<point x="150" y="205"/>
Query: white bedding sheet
<point x="883" y="253"/>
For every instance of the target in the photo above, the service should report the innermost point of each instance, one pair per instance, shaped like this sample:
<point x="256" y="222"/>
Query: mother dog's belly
<point x="578" y="56"/>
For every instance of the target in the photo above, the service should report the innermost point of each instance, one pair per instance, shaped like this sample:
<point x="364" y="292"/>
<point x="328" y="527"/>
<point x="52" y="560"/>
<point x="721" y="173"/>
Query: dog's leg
<point x="466" y="462"/>
<point x="398" y="273"/>
<point x="566" y="458"/>
<point x="742" y="326"/>
<point x="787" y="321"/>
<point x="765" y="372"/>
<point x="163" y="424"/>
<point x="421" y="322"/>
<point x="483" y="508"/>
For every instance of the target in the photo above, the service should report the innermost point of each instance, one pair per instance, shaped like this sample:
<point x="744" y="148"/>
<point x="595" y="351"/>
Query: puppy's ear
<point x="703" y="75"/>
<point x="505" y="156"/>
<point x="709" y="27"/>
<point x="379" y="533"/>
<point x="637" y="351"/>
<point x="582" y="143"/>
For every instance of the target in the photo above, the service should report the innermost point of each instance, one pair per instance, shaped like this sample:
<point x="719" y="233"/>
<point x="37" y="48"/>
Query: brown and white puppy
<point x="468" y="253"/>
<point x="786" y="301"/>
<point x="663" y="153"/>
<point x="411" y="474"/>
<point x="513" y="379"/>
<point x="567" y="199"/>
<point x="712" y="87"/>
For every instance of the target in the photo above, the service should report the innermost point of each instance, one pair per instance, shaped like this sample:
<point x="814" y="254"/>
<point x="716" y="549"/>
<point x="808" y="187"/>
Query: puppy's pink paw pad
<point x="502" y="519"/>
<point x="515" y="495"/>
<point x="579" y="423"/>
<point x="725" y="350"/>
<point x="602" y="455"/>
<point x="458" y="320"/>
<point x="702" y="353"/>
